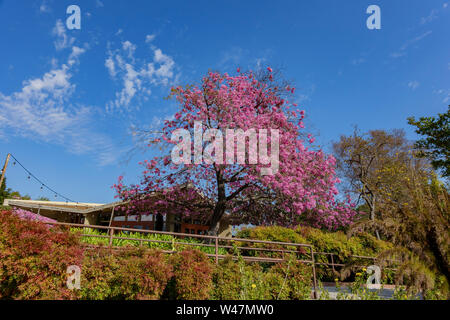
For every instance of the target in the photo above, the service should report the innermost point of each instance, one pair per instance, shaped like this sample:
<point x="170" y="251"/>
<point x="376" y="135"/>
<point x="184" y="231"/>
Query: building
<point x="109" y="215"/>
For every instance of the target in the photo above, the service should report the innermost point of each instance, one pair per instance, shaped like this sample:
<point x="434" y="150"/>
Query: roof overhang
<point x="72" y="207"/>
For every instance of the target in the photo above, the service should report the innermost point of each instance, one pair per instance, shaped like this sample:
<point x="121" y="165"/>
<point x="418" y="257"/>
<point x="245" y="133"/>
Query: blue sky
<point x="70" y="98"/>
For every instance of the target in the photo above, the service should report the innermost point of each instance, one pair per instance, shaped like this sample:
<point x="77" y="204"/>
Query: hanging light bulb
<point x="28" y="177"/>
<point x="42" y="187"/>
<point x="14" y="163"/>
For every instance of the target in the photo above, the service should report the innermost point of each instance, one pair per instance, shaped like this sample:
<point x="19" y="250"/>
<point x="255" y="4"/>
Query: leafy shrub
<point x="138" y="274"/>
<point x="343" y="247"/>
<point x="272" y="233"/>
<point x="297" y="279"/>
<point x="97" y="275"/>
<point x="362" y="244"/>
<point x="249" y="281"/>
<point x="227" y="280"/>
<point x="172" y="243"/>
<point x="192" y="278"/>
<point x="34" y="259"/>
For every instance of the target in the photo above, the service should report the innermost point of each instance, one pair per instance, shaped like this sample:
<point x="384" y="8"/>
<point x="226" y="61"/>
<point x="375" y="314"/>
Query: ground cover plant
<point x="170" y="242"/>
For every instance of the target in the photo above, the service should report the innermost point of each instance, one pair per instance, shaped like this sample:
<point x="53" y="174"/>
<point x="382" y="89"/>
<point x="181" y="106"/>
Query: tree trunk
<point x="219" y="209"/>
<point x="372" y="214"/>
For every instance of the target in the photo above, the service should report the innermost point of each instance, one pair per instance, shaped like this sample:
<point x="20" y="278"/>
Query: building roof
<point x="74" y="207"/>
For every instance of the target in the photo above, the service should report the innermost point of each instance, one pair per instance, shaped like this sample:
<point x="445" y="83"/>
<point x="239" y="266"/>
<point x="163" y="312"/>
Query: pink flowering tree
<point x="204" y="176"/>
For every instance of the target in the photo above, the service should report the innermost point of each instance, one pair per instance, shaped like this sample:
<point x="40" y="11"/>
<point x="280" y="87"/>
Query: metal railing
<point x="221" y="244"/>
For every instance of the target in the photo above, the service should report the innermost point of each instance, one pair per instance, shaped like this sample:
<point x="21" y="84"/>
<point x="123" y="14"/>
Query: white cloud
<point x="402" y="51"/>
<point x="232" y="56"/>
<point x="76" y="52"/>
<point x="37" y="110"/>
<point x="445" y="93"/>
<point x="430" y="17"/>
<point x="413" y="84"/>
<point x="42" y="111"/>
<point x="259" y="62"/>
<point x="44" y="8"/>
<point x="99" y="4"/>
<point x="137" y="75"/>
<point x="358" y="61"/>
<point x="63" y="40"/>
<point x="109" y="64"/>
<point x="129" y="47"/>
<point x="149" y="38"/>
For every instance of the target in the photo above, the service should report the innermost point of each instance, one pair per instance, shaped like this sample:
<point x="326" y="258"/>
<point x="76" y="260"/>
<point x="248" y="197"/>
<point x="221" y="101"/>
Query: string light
<point x="41" y="183"/>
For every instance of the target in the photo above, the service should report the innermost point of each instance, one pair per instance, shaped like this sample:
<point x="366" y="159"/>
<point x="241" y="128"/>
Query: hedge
<point x="34" y="258"/>
<point x="338" y="243"/>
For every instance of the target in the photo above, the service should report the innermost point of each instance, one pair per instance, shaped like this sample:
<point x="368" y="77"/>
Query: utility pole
<point x="4" y="168"/>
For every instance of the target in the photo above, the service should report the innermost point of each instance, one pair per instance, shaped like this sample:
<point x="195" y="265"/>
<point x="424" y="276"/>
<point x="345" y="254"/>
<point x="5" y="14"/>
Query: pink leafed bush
<point x="28" y="215"/>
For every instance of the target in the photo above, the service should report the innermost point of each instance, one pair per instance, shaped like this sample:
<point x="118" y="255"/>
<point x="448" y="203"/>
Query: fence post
<point x="314" y="273"/>
<point x="111" y="233"/>
<point x="217" y="250"/>
<point x="332" y="262"/>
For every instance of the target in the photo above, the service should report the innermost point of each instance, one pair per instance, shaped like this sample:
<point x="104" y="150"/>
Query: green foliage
<point x="297" y="279"/>
<point x="249" y="281"/>
<point x="362" y="244"/>
<point x="192" y="279"/>
<point x="272" y="233"/>
<point x="4" y="191"/>
<point x="42" y="198"/>
<point x="436" y="142"/>
<point x="227" y="280"/>
<point x="129" y="275"/>
<point x="170" y="243"/>
<point x="34" y="259"/>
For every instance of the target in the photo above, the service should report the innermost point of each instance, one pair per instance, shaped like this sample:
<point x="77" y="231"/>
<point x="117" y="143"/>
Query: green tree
<point x="43" y="199"/>
<point x="17" y="195"/>
<point x="4" y="192"/>
<point x="436" y="144"/>
<point x="363" y="160"/>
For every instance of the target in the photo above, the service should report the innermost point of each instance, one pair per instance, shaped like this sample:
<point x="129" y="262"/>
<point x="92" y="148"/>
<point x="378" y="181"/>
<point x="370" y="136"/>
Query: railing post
<point x="111" y="233"/>
<point x="314" y="273"/>
<point x="332" y="262"/>
<point x="217" y="250"/>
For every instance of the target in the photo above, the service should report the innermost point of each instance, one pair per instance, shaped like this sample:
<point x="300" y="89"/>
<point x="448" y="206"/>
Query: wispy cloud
<point x="137" y="75"/>
<point x="62" y="39"/>
<point x="232" y="56"/>
<point x="358" y="61"/>
<point x="413" y="84"/>
<point x="44" y="8"/>
<point x="433" y="15"/>
<point x="444" y="93"/>
<point x="42" y="111"/>
<point x="402" y="51"/>
<point x="149" y="38"/>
